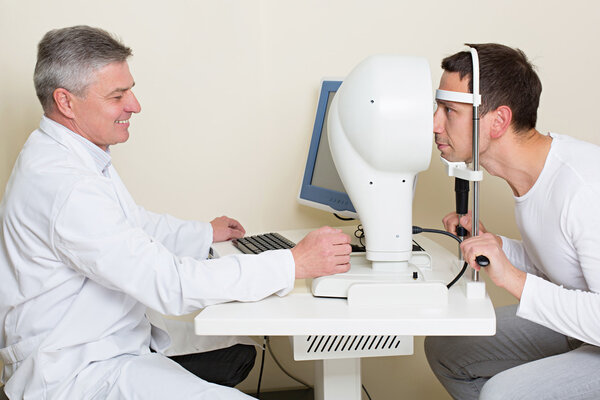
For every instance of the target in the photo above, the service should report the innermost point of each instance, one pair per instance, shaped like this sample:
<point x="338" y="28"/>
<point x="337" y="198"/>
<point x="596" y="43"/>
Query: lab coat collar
<point x="101" y="159"/>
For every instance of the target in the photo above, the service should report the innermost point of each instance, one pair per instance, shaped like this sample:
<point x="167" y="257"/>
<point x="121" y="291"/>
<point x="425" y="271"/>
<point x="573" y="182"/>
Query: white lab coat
<point x="79" y="264"/>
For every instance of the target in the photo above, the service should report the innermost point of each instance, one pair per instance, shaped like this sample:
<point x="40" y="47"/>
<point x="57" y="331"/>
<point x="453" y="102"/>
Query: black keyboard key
<point x="258" y="243"/>
<point x="252" y="247"/>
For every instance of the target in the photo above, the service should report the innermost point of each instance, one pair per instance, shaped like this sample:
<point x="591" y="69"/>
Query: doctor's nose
<point x="133" y="105"/>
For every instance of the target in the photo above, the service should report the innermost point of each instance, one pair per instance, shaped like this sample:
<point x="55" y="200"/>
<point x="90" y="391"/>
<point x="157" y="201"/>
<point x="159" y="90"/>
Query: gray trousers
<point x="523" y="360"/>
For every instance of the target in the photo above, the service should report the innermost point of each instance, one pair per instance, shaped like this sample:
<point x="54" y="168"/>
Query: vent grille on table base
<point x="316" y="347"/>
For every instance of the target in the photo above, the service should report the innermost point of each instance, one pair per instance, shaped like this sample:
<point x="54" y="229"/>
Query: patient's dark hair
<point x="506" y="78"/>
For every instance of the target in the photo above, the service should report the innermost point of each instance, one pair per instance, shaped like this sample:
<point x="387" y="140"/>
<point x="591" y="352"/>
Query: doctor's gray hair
<point x="69" y="57"/>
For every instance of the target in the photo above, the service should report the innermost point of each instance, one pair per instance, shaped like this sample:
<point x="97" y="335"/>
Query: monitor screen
<point x="322" y="187"/>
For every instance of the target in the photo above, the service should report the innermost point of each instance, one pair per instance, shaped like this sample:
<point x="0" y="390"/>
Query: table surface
<point x="299" y="313"/>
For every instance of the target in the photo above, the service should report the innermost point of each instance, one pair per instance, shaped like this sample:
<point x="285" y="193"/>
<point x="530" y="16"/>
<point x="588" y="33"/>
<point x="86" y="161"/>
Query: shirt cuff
<point x="290" y="265"/>
<point x="527" y="304"/>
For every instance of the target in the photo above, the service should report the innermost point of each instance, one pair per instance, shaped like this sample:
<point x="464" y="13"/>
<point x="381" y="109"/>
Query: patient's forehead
<point x="451" y="81"/>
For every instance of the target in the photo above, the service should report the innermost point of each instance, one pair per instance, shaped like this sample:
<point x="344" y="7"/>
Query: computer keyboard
<point x="258" y="243"/>
<point x="274" y="241"/>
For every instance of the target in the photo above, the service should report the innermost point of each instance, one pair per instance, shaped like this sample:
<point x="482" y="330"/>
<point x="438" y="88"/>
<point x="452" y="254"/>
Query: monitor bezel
<point x="317" y="196"/>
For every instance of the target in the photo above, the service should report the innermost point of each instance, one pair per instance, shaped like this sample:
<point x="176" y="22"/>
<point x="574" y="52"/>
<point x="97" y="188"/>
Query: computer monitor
<point x="322" y="187"/>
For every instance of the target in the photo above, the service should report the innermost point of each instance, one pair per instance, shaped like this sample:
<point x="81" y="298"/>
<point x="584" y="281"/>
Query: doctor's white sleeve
<point x="183" y="238"/>
<point x="574" y="313"/>
<point x="93" y="236"/>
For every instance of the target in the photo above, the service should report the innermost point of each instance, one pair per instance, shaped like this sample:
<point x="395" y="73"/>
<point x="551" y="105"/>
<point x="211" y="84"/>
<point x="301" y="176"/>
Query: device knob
<point x="483" y="261"/>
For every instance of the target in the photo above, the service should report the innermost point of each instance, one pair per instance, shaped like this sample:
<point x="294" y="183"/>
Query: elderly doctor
<point x="80" y="261"/>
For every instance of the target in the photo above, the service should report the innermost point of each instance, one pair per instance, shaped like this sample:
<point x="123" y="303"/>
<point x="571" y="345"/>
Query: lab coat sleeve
<point x="93" y="236"/>
<point x="574" y="313"/>
<point x="183" y="238"/>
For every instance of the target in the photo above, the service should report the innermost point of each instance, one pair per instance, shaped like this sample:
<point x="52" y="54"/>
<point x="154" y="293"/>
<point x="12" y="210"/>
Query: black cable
<point x="418" y="229"/>
<point x="367" y="393"/>
<point x="262" y="365"/>
<point x="359" y="233"/>
<point x="457" y="277"/>
<point x="343" y="218"/>
<point x="417" y="245"/>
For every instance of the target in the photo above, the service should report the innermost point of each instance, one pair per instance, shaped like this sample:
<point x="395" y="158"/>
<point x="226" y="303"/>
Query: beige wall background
<point x="229" y="91"/>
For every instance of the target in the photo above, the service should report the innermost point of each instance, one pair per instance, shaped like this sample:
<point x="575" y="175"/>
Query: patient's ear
<point x="63" y="101"/>
<point x="501" y="120"/>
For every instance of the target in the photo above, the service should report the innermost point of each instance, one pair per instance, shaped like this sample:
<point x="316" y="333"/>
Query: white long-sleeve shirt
<point x="80" y="262"/>
<point x="559" y="221"/>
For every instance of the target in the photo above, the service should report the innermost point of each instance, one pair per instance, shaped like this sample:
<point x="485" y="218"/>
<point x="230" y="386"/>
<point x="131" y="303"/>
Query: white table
<point x="314" y="321"/>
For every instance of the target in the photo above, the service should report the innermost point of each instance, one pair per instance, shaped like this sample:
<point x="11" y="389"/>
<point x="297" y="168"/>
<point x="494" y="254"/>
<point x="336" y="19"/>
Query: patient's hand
<point x="325" y="251"/>
<point x="500" y="270"/>
<point x="450" y="222"/>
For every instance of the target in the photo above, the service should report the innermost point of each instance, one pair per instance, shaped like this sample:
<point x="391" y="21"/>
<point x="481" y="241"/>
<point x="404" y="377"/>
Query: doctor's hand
<point x="225" y="228"/>
<point x="500" y="269"/>
<point x="450" y="222"/>
<point x="325" y="251"/>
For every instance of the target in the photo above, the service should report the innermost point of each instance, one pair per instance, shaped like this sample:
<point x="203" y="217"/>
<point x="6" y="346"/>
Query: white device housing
<point x="380" y="134"/>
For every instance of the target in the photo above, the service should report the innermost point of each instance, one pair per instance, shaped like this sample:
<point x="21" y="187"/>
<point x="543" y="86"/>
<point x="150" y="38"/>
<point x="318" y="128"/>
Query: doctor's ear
<point x="501" y="120"/>
<point x="63" y="101"/>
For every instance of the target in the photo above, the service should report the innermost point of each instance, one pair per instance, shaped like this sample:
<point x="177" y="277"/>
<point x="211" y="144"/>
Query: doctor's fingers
<point x="233" y="233"/>
<point x="335" y="264"/>
<point x="337" y="258"/>
<point x="225" y="228"/>
<point x="334" y="235"/>
<point x="314" y="262"/>
<point x="343" y="259"/>
<point x="225" y="221"/>
<point x="343" y="249"/>
<point x="336" y="245"/>
<point x="331" y="236"/>
<point x="235" y="225"/>
<point x="339" y="239"/>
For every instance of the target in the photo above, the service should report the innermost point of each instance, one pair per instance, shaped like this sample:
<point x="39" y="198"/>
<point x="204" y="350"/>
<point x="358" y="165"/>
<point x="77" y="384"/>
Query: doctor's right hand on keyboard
<point x="325" y="251"/>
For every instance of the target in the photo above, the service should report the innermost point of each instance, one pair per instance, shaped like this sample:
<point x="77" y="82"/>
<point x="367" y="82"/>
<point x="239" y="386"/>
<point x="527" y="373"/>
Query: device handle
<point x="461" y="189"/>
<point x="482" y="261"/>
